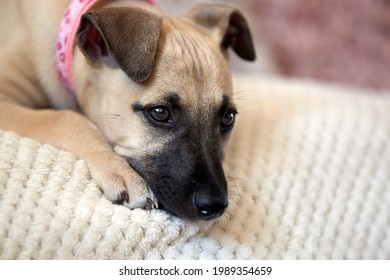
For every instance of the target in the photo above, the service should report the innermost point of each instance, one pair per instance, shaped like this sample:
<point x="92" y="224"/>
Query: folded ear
<point x="228" y="26"/>
<point x="130" y="35"/>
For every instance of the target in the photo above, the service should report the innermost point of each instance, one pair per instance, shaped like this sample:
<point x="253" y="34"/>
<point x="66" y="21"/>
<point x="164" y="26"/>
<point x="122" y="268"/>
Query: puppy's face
<point x="172" y="126"/>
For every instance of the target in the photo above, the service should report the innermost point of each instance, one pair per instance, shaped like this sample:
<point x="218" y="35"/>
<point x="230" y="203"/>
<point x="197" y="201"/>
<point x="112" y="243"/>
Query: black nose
<point x="210" y="207"/>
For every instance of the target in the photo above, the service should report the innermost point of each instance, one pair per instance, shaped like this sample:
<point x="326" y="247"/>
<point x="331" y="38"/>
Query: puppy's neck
<point x="66" y="39"/>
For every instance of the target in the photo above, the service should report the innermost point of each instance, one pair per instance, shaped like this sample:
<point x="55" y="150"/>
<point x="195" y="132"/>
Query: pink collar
<point x="66" y="38"/>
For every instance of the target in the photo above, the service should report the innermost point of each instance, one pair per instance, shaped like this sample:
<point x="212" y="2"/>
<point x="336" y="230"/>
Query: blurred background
<point x="338" y="41"/>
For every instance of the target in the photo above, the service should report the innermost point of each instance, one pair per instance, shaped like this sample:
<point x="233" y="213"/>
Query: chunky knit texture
<point x="309" y="175"/>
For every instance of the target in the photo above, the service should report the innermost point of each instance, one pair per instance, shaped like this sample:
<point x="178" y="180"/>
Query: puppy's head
<point x="160" y="90"/>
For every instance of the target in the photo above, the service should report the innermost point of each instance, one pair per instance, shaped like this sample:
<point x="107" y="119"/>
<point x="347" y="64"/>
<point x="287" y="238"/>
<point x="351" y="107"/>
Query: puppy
<point x="145" y="99"/>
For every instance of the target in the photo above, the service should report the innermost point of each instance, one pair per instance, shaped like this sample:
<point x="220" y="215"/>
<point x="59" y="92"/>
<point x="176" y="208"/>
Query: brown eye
<point x="160" y="114"/>
<point x="228" y="120"/>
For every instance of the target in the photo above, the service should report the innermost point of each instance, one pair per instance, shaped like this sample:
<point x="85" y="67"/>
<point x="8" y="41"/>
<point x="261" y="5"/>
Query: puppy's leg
<point x="75" y="133"/>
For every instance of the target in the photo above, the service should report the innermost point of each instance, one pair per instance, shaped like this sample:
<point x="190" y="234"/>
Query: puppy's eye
<point x="228" y="120"/>
<point x="160" y="114"/>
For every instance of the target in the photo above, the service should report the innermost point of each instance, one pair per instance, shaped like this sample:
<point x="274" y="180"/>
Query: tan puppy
<point x="152" y="105"/>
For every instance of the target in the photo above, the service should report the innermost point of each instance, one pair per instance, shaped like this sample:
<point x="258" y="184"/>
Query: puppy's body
<point x="159" y="131"/>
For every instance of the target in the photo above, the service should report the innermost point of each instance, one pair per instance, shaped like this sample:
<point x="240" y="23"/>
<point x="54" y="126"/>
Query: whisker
<point x="244" y="91"/>
<point x="235" y="186"/>
<point x="246" y="97"/>
<point x="108" y="116"/>
<point x="235" y="197"/>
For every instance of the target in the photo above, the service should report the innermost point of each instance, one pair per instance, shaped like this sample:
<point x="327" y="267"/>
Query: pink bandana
<point x="66" y="38"/>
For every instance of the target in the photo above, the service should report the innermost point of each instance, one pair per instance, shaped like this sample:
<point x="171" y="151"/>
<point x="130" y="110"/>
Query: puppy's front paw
<point x="119" y="182"/>
<point x="147" y="202"/>
<point x="142" y="196"/>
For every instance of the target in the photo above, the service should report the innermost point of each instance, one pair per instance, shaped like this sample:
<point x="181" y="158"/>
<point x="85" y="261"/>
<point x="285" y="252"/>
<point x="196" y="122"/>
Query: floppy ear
<point x="130" y="35"/>
<point x="228" y="26"/>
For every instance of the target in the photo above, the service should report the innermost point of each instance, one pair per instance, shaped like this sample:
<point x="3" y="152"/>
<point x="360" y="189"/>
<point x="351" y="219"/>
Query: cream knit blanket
<point x="309" y="169"/>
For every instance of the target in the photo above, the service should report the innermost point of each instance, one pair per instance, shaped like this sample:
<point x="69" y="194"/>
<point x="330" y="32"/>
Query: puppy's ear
<point x="227" y="25"/>
<point x="130" y="35"/>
